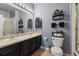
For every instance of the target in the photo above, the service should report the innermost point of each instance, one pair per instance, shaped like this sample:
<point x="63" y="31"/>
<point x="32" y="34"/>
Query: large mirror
<point x="12" y="21"/>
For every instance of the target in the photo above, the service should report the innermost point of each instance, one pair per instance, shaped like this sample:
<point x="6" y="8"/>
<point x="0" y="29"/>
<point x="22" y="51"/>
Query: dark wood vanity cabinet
<point x="29" y="46"/>
<point x="24" y="48"/>
<point x="38" y="42"/>
<point x="12" y="50"/>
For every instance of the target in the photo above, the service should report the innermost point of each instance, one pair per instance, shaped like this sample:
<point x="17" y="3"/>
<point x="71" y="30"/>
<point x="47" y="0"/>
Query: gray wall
<point x="45" y="11"/>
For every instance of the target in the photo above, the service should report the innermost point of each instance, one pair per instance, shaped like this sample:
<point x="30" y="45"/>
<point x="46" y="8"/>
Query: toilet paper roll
<point x="45" y="38"/>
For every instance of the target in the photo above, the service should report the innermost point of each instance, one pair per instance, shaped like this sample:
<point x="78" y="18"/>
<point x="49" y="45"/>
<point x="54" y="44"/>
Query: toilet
<point x="56" y="48"/>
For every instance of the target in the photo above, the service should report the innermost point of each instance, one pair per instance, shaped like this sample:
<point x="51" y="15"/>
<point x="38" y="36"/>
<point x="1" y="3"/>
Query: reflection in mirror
<point x="30" y="24"/>
<point x="8" y="26"/>
<point x="20" y="26"/>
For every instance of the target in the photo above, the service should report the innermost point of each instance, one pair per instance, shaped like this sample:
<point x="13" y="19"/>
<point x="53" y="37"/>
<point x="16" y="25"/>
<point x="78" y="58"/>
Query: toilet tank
<point x="57" y="41"/>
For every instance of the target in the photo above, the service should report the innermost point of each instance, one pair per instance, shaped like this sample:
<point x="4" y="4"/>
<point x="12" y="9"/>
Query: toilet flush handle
<point x="45" y="38"/>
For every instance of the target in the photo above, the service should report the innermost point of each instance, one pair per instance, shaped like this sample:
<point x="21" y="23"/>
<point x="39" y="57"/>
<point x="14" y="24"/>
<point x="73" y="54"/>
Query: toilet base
<point x="56" y="51"/>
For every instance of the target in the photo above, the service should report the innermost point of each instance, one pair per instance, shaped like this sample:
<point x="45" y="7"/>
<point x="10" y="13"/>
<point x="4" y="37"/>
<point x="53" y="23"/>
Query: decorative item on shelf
<point x="61" y="24"/>
<point x="53" y="25"/>
<point x="58" y="34"/>
<point x="30" y="24"/>
<point x="58" y="15"/>
<point x="20" y="31"/>
<point x="20" y="26"/>
<point x="38" y="23"/>
<point x="20" y="21"/>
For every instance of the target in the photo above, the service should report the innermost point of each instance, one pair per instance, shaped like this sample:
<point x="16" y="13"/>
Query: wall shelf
<point x="60" y="21"/>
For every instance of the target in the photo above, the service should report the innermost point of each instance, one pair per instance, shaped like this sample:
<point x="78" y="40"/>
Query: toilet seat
<point x="56" y="51"/>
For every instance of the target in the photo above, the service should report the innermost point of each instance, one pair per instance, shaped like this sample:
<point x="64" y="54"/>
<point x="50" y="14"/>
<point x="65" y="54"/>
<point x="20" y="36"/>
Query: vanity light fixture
<point x="23" y="7"/>
<point x="20" y="4"/>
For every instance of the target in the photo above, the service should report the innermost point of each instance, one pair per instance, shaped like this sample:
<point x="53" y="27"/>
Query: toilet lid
<point x="56" y="51"/>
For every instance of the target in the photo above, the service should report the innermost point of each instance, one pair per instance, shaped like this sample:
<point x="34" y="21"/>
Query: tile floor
<point x="44" y="52"/>
<point x="41" y="52"/>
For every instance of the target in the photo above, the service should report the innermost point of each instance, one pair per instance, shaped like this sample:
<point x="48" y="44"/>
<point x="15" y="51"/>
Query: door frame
<point x="73" y="26"/>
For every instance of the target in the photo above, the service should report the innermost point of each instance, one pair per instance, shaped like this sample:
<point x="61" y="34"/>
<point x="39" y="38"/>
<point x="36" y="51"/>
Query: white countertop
<point x="17" y="38"/>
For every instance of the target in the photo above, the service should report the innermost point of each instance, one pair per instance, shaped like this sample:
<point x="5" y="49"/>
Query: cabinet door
<point x="38" y="42"/>
<point x="33" y="45"/>
<point x="10" y="51"/>
<point x="25" y="48"/>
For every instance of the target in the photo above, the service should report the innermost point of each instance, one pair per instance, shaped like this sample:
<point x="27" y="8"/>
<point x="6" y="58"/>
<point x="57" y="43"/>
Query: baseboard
<point x="43" y="47"/>
<point x="66" y="54"/>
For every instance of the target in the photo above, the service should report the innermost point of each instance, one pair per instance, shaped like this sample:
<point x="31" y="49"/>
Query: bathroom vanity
<point x="20" y="45"/>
